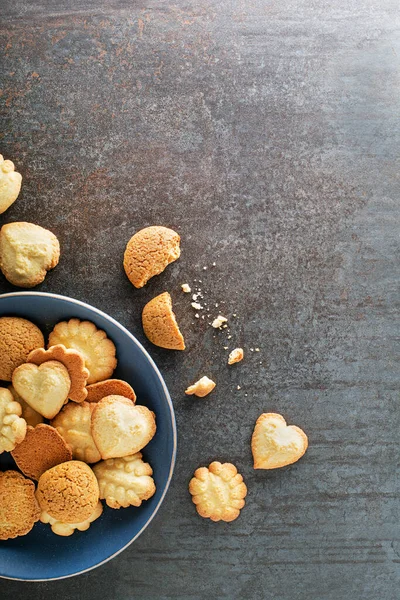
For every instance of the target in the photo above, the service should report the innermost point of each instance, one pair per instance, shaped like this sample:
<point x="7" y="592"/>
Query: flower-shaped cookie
<point x="94" y="345"/>
<point x="10" y="184"/>
<point x="218" y="491"/>
<point x="72" y="360"/>
<point x="125" y="481"/>
<point x="66" y="529"/>
<point x="73" y="423"/>
<point x="275" y="444"/>
<point x="12" y="427"/>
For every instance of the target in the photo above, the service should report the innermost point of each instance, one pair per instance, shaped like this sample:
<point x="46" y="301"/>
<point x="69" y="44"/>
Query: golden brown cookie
<point x="120" y="428"/>
<point x="149" y="252"/>
<point x="110" y="387"/>
<point x="10" y="184"/>
<point x="94" y="345"/>
<point x="125" y="481"/>
<point x="72" y="360"/>
<point x="74" y="424"/>
<point x="12" y="426"/>
<point x="18" y="337"/>
<point x="66" y="529"/>
<point x="27" y="252"/>
<point x="159" y="323"/>
<point x="68" y="492"/>
<point x="19" y="509"/>
<point x="275" y="444"/>
<point x="218" y="492"/>
<point x="30" y="415"/>
<point x="44" y="388"/>
<point x="42" y="448"/>
<point x="201" y="388"/>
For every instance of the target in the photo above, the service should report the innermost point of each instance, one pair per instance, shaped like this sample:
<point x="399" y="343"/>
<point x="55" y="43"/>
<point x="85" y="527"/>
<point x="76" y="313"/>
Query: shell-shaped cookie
<point x="10" y="184"/>
<point x="218" y="491"/>
<point x="125" y="481"/>
<point x="19" y="509"/>
<point x="12" y="426"/>
<point x="66" y="529"/>
<point x="275" y="444"/>
<point x="160" y="325"/>
<point x="94" y="345"/>
<point x="73" y="423"/>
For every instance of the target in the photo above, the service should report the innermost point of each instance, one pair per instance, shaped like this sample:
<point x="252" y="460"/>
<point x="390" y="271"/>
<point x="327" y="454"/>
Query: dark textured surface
<point x="267" y="134"/>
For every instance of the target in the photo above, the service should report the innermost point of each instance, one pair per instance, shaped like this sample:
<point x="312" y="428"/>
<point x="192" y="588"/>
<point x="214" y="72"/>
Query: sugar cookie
<point x="66" y="529"/>
<point x="12" y="427"/>
<point x="275" y="444"/>
<point x="30" y="415"/>
<point x="10" y="184"/>
<point x="74" y="424"/>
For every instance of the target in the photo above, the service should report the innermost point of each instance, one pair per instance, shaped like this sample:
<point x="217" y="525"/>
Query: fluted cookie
<point x="120" y="428"/>
<point x="275" y="444"/>
<point x="41" y="449"/>
<point x="149" y="252"/>
<point x="68" y="492"/>
<point x="66" y="529"/>
<point x="110" y="387"/>
<point x="73" y="423"/>
<point x="18" y="337"/>
<point x="45" y="388"/>
<point x="72" y="360"/>
<point x="125" y="481"/>
<point x="12" y="426"/>
<point x="10" y="184"/>
<point x="94" y="345"/>
<point x="27" y="252"/>
<point x="218" y="491"/>
<point x="19" y="509"/>
<point x="159" y="323"/>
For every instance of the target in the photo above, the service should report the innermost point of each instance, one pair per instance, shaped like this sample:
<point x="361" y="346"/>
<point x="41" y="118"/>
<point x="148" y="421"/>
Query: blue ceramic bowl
<point x="42" y="555"/>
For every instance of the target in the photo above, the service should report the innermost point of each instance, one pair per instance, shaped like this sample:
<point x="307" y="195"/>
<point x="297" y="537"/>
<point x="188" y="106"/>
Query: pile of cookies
<point x="92" y="419"/>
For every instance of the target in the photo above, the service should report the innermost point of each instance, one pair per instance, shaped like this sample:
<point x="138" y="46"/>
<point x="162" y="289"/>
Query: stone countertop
<point x="267" y="134"/>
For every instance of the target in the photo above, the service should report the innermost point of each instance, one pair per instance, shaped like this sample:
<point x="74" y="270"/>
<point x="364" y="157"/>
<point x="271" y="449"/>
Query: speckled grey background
<point x="267" y="133"/>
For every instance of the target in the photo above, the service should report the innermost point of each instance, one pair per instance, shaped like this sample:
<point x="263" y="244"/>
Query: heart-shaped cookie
<point x="275" y="444"/>
<point x="44" y="388"/>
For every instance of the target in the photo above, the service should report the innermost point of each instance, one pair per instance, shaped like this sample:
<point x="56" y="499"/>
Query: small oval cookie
<point x="42" y="448"/>
<point x="218" y="492"/>
<point x="10" y="184"/>
<point x="12" y="426"/>
<point x="94" y="345"/>
<point x="120" y="428"/>
<point x="18" y="337"/>
<point x="110" y="387"/>
<point x="73" y="423"/>
<point x="19" y="509"/>
<point x="149" y="252"/>
<point x="159" y="323"/>
<point x="66" y="529"/>
<point x="27" y="252"/>
<point x="275" y="444"/>
<point x="125" y="481"/>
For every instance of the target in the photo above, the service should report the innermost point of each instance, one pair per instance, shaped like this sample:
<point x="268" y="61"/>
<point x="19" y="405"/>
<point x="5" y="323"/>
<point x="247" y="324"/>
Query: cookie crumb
<point x="201" y="388"/>
<point x="214" y="264"/>
<point x="204" y="268"/>
<point x="197" y="306"/>
<point x="197" y="316"/>
<point x="235" y="356"/>
<point x="186" y="288"/>
<point x="256" y="349"/>
<point x="238" y="387"/>
<point x="219" y="321"/>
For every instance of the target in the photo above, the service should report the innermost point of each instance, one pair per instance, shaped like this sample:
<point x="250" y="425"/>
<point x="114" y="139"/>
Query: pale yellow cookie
<point x="235" y="356"/>
<point x="201" y="388"/>
<point x="120" y="428"/>
<point x="73" y="423"/>
<point x="19" y="509"/>
<point x="44" y="388"/>
<point x="159" y="323"/>
<point x="275" y="444"/>
<point x="125" y="481"/>
<point x="30" y="415"/>
<point x="218" y="492"/>
<point x="10" y="184"/>
<point x="18" y="337"/>
<point x="12" y="427"/>
<point x="110" y="387"/>
<point x="27" y="252"/>
<point x="72" y="360"/>
<point x="66" y="529"/>
<point x="94" y="345"/>
<point x="149" y="252"/>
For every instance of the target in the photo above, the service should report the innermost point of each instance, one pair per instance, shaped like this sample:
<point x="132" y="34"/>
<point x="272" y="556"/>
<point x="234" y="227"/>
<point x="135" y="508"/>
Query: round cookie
<point x="159" y="323"/>
<point x="12" y="426"/>
<point x="110" y="387"/>
<point x="73" y="422"/>
<point x="10" y="184"/>
<point x="19" y="509"/>
<point x="42" y="448"/>
<point x="18" y="337"/>
<point x="68" y="492"/>
<point x="149" y="252"/>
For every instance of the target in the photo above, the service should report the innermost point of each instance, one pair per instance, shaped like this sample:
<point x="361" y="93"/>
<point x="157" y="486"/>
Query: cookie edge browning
<point x="93" y="387"/>
<point x="278" y="465"/>
<point x="35" y="508"/>
<point x="72" y="360"/>
<point x="148" y="312"/>
<point x="34" y="331"/>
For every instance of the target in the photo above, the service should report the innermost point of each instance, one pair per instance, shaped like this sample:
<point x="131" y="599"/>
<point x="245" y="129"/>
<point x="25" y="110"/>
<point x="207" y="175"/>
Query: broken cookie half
<point x="159" y="323"/>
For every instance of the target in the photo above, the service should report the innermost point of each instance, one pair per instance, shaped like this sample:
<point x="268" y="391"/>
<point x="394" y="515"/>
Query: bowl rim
<point x="171" y="410"/>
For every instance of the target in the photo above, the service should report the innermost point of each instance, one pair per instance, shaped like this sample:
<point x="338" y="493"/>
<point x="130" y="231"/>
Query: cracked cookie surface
<point x="19" y="509"/>
<point x="160" y="325"/>
<point x="18" y="337"/>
